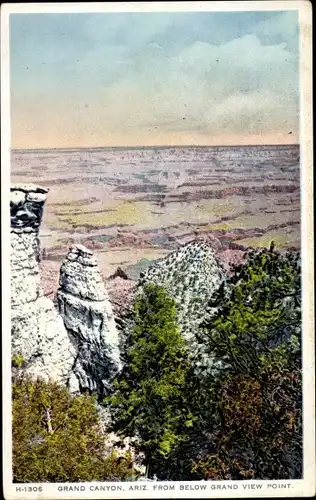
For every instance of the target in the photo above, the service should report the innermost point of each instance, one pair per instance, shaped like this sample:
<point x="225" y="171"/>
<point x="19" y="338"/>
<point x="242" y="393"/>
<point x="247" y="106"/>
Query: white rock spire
<point x="37" y="331"/>
<point x="88" y="316"/>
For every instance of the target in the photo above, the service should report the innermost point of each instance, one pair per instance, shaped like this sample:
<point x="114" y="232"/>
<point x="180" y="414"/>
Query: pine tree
<point x="259" y="312"/>
<point x="58" y="438"/>
<point x="255" y="336"/>
<point x="148" y="399"/>
<point x="247" y="411"/>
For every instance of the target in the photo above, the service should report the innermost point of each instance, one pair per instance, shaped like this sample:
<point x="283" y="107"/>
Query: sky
<point x="161" y="78"/>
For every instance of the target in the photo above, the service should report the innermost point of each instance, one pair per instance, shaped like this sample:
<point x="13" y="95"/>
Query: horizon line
<point x="71" y="148"/>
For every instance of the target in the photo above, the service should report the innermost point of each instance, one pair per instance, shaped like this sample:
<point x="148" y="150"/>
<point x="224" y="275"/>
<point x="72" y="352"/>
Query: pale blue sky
<point x="153" y="78"/>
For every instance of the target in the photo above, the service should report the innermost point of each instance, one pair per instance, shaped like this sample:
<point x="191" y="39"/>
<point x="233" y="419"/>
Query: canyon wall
<point x="78" y="342"/>
<point x="191" y="274"/>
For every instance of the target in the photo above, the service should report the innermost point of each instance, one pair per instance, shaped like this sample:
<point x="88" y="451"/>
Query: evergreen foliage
<point x="246" y="412"/>
<point x="258" y="320"/>
<point x="256" y="337"/>
<point x="147" y="402"/>
<point x="57" y="437"/>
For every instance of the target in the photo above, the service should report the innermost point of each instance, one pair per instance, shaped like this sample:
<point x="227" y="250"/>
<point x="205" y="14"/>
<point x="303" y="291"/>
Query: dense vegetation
<point x="57" y="437"/>
<point x="242" y="418"/>
<point x="149" y="393"/>
<point x="239" y="419"/>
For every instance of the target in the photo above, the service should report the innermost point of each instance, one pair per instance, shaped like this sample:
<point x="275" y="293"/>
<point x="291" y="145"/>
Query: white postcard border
<point x="184" y="489"/>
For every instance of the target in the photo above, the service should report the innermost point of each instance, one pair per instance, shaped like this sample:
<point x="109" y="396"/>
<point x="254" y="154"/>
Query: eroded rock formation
<point x="37" y="331"/>
<point x="191" y="275"/>
<point x="89" y="319"/>
<point x="78" y="345"/>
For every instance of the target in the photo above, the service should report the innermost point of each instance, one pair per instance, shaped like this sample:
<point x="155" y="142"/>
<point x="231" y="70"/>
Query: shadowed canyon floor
<point x="131" y="206"/>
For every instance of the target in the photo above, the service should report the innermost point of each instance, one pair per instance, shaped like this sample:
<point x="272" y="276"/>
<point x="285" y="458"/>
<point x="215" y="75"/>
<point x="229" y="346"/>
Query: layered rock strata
<point x="37" y="331"/>
<point x="88" y="317"/>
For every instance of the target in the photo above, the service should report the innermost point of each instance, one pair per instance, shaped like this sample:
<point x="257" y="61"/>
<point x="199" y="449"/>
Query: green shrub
<point x="57" y="437"/>
<point x="256" y="394"/>
<point x="17" y="361"/>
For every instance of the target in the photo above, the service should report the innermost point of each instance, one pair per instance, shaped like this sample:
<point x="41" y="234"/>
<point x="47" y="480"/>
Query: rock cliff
<point x="37" y="331"/>
<point x="89" y="319"/>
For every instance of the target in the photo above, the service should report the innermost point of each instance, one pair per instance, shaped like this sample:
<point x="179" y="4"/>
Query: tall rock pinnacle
<point x="88" y="316"/>
<point x="37" y="331"/>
